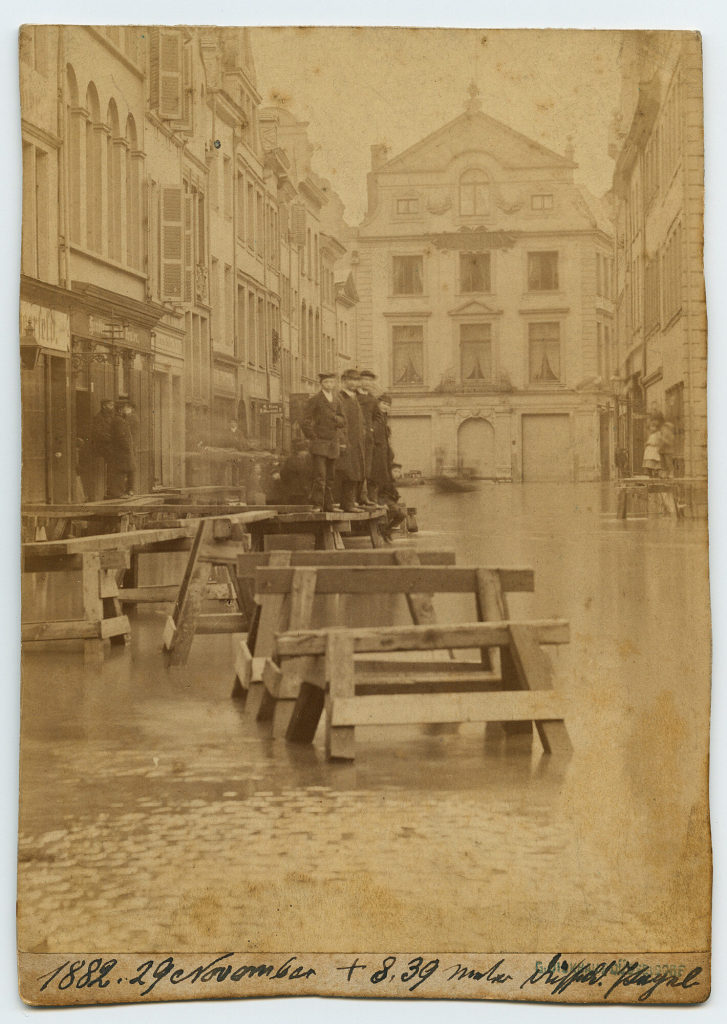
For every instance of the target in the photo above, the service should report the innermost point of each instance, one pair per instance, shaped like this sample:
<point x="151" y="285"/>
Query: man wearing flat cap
<point x="324" y="425"/>
<point x="350" y="467"/>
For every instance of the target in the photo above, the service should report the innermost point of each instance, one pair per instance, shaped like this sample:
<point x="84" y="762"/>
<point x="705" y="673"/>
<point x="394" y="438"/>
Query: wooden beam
<point x="250" y="561"/>
<point x="513" y="705"/>
<point x="340" y="736"/>
<point x="535" y="673"/>
<point x="228" y="622"/>
<point x="422" y="638"/>
<point x="75" y="629"/>
<point x="392" y="579"/>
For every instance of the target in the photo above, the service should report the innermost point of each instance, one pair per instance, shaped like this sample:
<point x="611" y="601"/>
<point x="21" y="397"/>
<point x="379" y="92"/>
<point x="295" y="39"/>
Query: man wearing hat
<point x="324" y="425"/>
<point x="350" y="467"/>
<point x="370" y="409"/>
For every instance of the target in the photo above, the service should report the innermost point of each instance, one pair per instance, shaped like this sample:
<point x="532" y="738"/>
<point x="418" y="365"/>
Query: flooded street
<point x="156" y="814"/>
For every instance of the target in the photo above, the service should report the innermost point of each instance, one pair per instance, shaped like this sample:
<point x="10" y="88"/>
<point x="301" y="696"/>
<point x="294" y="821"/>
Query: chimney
<point x="378" y="156"/>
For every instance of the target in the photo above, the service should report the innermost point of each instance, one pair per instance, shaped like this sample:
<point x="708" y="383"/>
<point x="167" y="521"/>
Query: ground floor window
<point x="544" y="353"/>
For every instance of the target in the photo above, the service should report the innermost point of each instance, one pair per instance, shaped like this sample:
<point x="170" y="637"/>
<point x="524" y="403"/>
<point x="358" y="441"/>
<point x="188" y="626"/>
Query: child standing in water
<point x="651" y="463"/>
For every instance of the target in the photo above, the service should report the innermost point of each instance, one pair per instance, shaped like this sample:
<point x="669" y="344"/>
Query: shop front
<point x="49" y="457"/>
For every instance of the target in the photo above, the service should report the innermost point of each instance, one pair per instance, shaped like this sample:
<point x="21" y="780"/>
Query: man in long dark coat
<point x="122" y="464"/>
<point x="324" y="425"/>
<point x="350" y="468"/>
<point x="370" y="409"/>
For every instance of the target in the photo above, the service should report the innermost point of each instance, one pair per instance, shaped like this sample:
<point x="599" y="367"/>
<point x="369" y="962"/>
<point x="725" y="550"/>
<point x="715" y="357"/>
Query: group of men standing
<point x="113" y="440"/>
<point x="349" y="444"/>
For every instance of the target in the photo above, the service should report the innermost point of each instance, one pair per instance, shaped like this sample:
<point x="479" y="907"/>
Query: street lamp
<point x="29" y="347"/>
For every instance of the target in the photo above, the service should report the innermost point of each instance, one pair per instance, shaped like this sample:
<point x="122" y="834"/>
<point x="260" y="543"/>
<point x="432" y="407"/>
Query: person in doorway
<point x="122" y="464"/>
<point x="350" y="469"/>
<point x="667" y="448"/>
<point x="383" y="456"/>
<point x="99" y="442"/>
<point x="324" y="425"/>
<point x="651" y="463"/>
<point x="370" y="410"/>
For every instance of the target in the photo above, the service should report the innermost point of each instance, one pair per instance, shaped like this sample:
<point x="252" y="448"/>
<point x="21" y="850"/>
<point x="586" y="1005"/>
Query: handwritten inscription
<point x="558" y="979"/>
<point x="148" y="974"/>
<point x="560" y="974"/>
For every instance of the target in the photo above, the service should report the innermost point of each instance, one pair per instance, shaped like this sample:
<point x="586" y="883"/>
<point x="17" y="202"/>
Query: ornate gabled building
<point x="484" y="273"/>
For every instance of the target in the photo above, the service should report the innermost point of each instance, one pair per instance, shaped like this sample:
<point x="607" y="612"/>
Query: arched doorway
<point x="476" y="447"/>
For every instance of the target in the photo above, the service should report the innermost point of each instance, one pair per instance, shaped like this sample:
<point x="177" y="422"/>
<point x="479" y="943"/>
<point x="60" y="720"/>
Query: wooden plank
<point x="76" y="629"/>
<point x="90" y="579"/>
<point x="422" y="638"/>
<point x="302" y="595"/>
<point x="423" y="667"/>
<point x="115" y="626"/>
<point x="107" y="541"/>
<point x="114" y="559"/>
<point x="394" y="579"/>
<point x="514" y="705"/>
<point x="250" y="561"/>
<point x="192" y="593"/>
<point x="228" y="622"/>
<point x="271" y="609"/>
<point x="492" y="605"/>
<point x="108" y="587"/>
<point x="535" y="673"/>
<point x="166" y="592"/>
<point x="340" y="737"/>
<point x="169" y="631"/>
<point x="442" y="682"/>
<point x="243" y="672"/>
<point x="420" y="604"/>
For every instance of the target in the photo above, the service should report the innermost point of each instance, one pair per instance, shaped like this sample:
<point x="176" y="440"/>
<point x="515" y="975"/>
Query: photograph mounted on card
<point x="365" y="602"/>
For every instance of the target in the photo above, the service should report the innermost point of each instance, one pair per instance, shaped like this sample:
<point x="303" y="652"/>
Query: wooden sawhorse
<point x="357" y="695"/>
<point x="276" y="610"/>
<point x="211" y="535"/>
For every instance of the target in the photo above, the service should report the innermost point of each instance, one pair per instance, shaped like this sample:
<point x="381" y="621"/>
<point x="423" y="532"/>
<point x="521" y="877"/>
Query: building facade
<point x="173" y="255"/>
<point x="484" y="274"/>
<point x="658" y="144"/>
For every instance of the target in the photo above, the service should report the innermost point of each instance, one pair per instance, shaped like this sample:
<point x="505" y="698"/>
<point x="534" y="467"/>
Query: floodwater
<point x="158" y="815"/>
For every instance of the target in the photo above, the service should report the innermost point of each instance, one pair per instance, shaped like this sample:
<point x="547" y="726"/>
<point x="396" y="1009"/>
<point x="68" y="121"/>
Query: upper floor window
<point x="542" y="271"/>
<point x="407" y="205"/>
<point x="408" y="275"/>
<point x="544" y="353"/>
<point x="408" y="353"/>
<point x="474" y="272"/>
<point x="541" y="202"/>
<point x="474" y="193"/>
<point x="475" y="348"/>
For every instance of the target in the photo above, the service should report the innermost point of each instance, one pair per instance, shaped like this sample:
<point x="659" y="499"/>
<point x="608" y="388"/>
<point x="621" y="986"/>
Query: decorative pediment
<point x="475" y="307"/>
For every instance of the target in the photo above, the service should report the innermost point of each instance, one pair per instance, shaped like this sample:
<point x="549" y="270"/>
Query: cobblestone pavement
<point x="156" y="814"/>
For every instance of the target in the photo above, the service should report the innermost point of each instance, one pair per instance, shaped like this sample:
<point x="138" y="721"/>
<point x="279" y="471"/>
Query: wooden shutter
<point x="171" y="243"/>
<point x="166" y="73"/>
<point x="299" y="224"/>
<point x="188" y="246"/>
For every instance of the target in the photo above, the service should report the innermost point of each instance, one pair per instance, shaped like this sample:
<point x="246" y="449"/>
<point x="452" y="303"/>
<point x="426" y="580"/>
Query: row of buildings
<point x="179" y="250"/>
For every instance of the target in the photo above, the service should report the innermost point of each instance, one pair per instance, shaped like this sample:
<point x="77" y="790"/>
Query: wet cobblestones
<point x="157" y="814"/>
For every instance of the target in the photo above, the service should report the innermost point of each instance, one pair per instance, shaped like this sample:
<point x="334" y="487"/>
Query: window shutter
<point x="299" y="224"/>
<point x="171" y="216"/>
<point x="187" y="87"/>
<point x="170" y="103"/>
<point x="188" y="246"/>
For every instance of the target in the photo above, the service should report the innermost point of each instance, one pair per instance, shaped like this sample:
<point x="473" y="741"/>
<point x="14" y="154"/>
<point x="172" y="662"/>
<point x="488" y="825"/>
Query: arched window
<point x="474" y="193"/>
<point x="75" y="159"/>
<point x="94" y="183"/>
<point x="133" y="196"/>
<point x="113" y="183"/>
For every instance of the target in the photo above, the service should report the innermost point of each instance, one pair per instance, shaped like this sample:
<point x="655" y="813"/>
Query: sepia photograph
<point x="365" y="604"/>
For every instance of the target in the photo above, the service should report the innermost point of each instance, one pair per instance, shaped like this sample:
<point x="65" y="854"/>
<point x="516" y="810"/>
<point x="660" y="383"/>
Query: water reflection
<point x="165" y="800"/>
